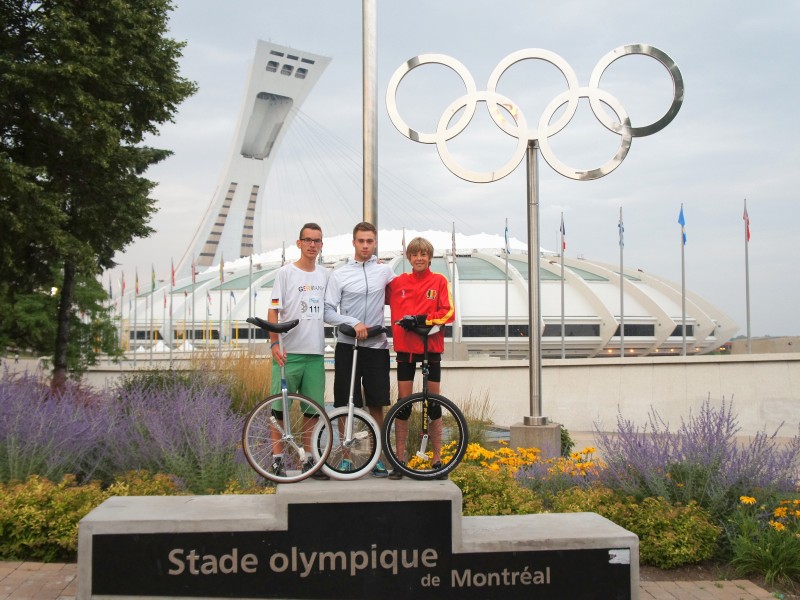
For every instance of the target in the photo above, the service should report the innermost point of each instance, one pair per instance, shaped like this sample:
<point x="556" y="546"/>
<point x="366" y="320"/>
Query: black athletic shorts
<point x="407" y="365"/>
<point x="372" y="372"/>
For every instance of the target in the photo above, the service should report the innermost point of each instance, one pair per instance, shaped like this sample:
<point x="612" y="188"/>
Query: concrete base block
<point x="546" y="438"/>
<point x="363" y="539"/>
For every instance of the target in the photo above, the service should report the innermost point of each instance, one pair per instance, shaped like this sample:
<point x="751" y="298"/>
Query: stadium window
<point x="572" y="330"/>
<point x="287" y="69"/>
<point x="678" y="332"/>
<point x="301" y="73"/>
<point x="637" y="330"/>
<point x="272" y="66"/>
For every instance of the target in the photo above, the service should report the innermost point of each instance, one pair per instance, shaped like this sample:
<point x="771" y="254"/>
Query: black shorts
<point x="372" y="372"/>
<point x="407" y="365"/>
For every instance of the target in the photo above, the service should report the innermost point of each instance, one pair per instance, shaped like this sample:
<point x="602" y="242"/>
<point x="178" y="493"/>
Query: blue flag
<point x="682" y="222"/>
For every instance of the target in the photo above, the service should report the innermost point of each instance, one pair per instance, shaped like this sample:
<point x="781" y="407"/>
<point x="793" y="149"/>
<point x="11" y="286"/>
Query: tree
<point x="81" y="85"/>
<point x="29" y="323"/>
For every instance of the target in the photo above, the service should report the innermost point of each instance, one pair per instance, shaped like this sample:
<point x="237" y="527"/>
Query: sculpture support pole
<point x="534" y="304"/>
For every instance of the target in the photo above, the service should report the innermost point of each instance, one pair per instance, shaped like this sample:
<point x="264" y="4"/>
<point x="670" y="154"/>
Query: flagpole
<point x="507" y="251"/>
<point x="122" y="313"/>
<point x="249" y="299"/>
<point x="404" y="250"/>
<point x="219" y="329"/>
<point x="149" y="329"/>
<point x="193" y="305"/>
<point x="453" y="279"/>
<point x="135" y="314"/>
<point x="563" y="324"/>
<point x="164" y="314"/>
<point x="171" y="289"/>
<point x="682" y="221"/>
<point x="746" y="218"/>
<point x="621" y="290"/>
<point x="152" y="308"/>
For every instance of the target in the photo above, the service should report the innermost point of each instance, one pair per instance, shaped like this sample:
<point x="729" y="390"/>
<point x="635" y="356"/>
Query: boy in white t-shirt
<point x="298" y="292"/>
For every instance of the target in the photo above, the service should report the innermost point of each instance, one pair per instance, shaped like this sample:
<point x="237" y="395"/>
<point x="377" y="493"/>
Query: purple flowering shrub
<point x="49" y="434"/>
<point x="701" y="460"/>
<point x="180" y="425"/>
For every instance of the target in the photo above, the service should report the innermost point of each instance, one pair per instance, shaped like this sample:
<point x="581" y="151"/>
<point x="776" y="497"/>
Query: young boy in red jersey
<point x="426" y="295"/>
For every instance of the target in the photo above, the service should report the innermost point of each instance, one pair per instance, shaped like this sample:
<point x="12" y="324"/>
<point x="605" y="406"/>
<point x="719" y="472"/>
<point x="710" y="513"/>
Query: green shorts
<point x="305" y="374"/>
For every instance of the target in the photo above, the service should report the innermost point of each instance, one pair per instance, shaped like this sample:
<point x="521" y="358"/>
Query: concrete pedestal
<point x="369" y="538"/>
<point x="546" y="438"/>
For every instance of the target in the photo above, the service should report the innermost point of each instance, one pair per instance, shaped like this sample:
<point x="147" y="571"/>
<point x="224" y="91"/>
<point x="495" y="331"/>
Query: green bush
<point x="670" y="535"/>
<point x="39" y="519"/>
<point x="490" y="492"/>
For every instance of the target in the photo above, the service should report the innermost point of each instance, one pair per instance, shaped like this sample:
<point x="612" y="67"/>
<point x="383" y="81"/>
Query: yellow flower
<point x="747" y="500"/>
<point x="777" y="525"/>
<point x="780" y="512"/>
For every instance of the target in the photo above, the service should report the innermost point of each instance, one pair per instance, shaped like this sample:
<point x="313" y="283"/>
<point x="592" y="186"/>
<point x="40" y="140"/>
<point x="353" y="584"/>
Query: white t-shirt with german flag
<point x="298" y="294"/>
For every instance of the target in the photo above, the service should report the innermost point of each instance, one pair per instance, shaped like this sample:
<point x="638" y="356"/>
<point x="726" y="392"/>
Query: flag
<point x="194" y="271"/>
<point x="682" y="222"/>
<point x="165" y="297"/>
<point x="110" y="290"/>
<point x="172" y="268"/>
<point x="122" y="283"/>
<point x="208" y="297"/>
<point x="746" y="218"/>
<point x="221" y="269"/>
<point x="283" y="253"/>
<point x="563" y="231"/>
<point x="508" y="242"/>
<point x="232" y="296"/>
<point x="137" y="281"/>
<point x="621" y="230"/>
<point x="152" y="278"/>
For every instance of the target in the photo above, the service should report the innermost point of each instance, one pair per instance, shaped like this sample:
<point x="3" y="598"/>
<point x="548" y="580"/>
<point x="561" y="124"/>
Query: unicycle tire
<point x="454" y="437"/>
<point x="264" y="436"/>
<point x="346" y="462"/>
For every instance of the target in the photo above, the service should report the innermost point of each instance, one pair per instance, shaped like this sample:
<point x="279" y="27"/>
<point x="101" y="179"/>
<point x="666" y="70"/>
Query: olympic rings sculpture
<point x="499" y="106"/>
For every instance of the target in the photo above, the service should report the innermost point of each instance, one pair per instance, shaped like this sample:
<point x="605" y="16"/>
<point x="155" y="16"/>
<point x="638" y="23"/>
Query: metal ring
<point x="624" y="132"/>
<point x="559" y="63"/>
<point x="405" y="69"/>
<point x="664" y="59"/>
<point x="493" y="102"/>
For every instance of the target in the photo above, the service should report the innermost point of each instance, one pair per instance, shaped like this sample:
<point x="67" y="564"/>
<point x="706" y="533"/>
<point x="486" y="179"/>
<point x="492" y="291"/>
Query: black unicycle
<point x="425" y="435"/>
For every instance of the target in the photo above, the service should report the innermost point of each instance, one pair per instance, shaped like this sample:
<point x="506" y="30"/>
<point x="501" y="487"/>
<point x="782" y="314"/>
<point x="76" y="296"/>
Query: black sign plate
<point x="386" y="550"/>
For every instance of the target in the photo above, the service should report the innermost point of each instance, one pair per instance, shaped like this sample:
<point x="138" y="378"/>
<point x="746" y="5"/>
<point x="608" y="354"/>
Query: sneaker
<point x="379" y="470"/>
<point x="395" y="474"/>
<point x="318" y="474"/>
<point x="435" y="467"/>
<point x="277" y="467"/>
<point x="346" y="465"/>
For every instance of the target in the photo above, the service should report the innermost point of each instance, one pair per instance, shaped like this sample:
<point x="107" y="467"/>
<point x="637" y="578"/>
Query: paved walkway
<point x="55" y="581"/>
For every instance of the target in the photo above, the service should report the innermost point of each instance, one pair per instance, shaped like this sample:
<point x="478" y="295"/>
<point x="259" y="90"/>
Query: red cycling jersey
<point x="426" y="293"/>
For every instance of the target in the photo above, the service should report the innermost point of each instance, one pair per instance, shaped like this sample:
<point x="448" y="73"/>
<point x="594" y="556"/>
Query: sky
<point x="734" y="138"/>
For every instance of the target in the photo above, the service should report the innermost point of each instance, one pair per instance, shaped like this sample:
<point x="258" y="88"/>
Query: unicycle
<point x="278" y="433"/>
<point x="353" y="436"/>
<point x="425" y="435"/>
